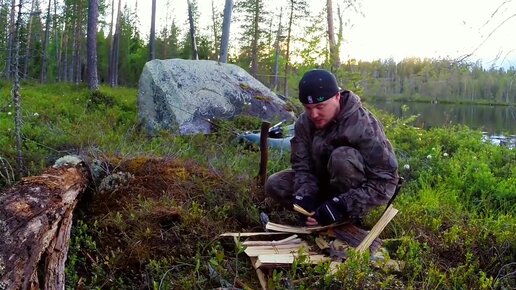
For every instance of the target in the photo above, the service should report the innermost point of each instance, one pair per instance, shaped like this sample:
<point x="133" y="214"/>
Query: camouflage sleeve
<point x="305" y="182"/>
<point x="381" y="166"/>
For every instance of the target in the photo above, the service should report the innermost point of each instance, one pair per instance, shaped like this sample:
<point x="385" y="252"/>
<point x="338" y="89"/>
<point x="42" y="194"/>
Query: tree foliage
<point x="53" y="48"/>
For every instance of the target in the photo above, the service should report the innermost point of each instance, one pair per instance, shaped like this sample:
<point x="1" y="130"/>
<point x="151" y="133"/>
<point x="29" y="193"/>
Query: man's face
<point x="321" y="114"/>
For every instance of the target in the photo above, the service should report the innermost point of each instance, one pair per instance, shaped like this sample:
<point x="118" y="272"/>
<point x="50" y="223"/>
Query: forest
<point x="49" y="40"/>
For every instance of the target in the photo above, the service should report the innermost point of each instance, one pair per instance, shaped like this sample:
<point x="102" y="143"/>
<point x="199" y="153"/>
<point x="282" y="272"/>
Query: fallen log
<point x="35" y="222"/>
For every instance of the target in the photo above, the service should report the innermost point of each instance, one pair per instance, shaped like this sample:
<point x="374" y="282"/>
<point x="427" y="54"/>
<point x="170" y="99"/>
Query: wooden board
<point x="260" y="274"/>
<point x="297" y="230"/>
<point x="285" y="259"/>
<point x="293" y="239"/>
<point x="269" y="250"/>
<point x="387" y="216"/>
<point x="253" y="234"/>
<point x="353" y="236"/>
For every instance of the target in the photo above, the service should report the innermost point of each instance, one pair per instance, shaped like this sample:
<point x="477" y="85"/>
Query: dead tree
<point x="35" y="222"/>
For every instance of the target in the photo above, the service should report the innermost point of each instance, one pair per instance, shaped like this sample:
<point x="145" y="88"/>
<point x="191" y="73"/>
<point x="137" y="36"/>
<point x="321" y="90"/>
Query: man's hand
<point x="329" y="212"/>
<point x="311" y="222"/>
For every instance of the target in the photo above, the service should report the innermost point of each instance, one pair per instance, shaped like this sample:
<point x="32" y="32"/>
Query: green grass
<point x="158" y="228"/>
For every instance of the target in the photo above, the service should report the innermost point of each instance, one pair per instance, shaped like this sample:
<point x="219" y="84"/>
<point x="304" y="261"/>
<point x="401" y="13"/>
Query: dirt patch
<point x="166" y="208"/>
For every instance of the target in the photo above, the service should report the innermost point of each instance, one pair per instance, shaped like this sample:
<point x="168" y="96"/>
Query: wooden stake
<point x="264" y="134"/>
<point x="260" y="274"/>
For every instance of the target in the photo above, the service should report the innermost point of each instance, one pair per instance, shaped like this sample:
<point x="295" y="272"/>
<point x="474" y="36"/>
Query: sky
<point x="399" y="29"/>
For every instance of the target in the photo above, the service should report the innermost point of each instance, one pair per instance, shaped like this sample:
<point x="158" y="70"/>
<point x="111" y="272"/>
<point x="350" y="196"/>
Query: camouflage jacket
<point x="355" y="127"/>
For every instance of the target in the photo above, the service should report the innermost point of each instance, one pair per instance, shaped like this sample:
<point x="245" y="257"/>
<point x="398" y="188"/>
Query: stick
<point x="302" y="211"/>
<point x="262" y="174"/>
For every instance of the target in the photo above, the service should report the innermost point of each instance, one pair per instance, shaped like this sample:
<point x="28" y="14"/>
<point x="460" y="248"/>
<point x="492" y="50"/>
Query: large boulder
<point x="185" y="96"/>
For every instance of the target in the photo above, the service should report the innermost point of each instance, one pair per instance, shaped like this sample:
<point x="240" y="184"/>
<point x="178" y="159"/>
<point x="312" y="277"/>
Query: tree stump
<point x="35" y="222"/>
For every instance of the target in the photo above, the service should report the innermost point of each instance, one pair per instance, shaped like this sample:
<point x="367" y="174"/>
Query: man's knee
<point x="280" y="186"/>
<point x="346" y="167"/>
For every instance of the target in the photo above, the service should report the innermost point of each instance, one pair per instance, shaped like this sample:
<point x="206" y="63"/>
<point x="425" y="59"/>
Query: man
<point x="342" y="163"/>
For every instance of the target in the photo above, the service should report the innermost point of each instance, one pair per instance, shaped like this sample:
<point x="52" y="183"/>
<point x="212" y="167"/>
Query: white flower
<point x="429" y="156"/>
<point x="445" y="154"/>
<point x="406" y="167"/>
<point x="433" y="148"/>
<point x="36" y="114"/>
<point x="9" y="113"/>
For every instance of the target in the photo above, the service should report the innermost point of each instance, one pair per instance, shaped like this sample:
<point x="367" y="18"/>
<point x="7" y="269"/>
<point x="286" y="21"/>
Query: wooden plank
<point x="387" y="216"/>
<point x="252" y="234"/>
<point x="281" y="249"/>
<point x="298" y="230"/>
<point x="261" y="276"/>
<point x="353" y="236"/>
<point x="285" y="259"/>
<point x="267" y="243"/>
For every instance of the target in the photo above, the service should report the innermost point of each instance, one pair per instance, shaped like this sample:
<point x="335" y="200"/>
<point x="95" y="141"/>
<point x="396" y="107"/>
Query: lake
<point x="497" y="122"/>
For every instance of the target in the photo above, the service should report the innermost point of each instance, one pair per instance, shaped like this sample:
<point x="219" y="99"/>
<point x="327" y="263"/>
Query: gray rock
<point x="182" y="96"/>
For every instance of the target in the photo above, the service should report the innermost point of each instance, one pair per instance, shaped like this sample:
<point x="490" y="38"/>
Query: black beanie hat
<point x="317" y="86"/>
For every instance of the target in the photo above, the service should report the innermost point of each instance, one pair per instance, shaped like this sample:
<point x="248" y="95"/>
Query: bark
<point x="152" y="37"/>
<point x="44" y="60"/>
<point x="226" y="25"/>
<point x="35" y="222"/>
<point x="93" y="14"/>
<point x="195" y="53"/>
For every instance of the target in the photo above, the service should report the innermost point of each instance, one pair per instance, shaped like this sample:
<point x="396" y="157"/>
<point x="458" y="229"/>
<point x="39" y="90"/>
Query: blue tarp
<point x="279" y="143"/>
